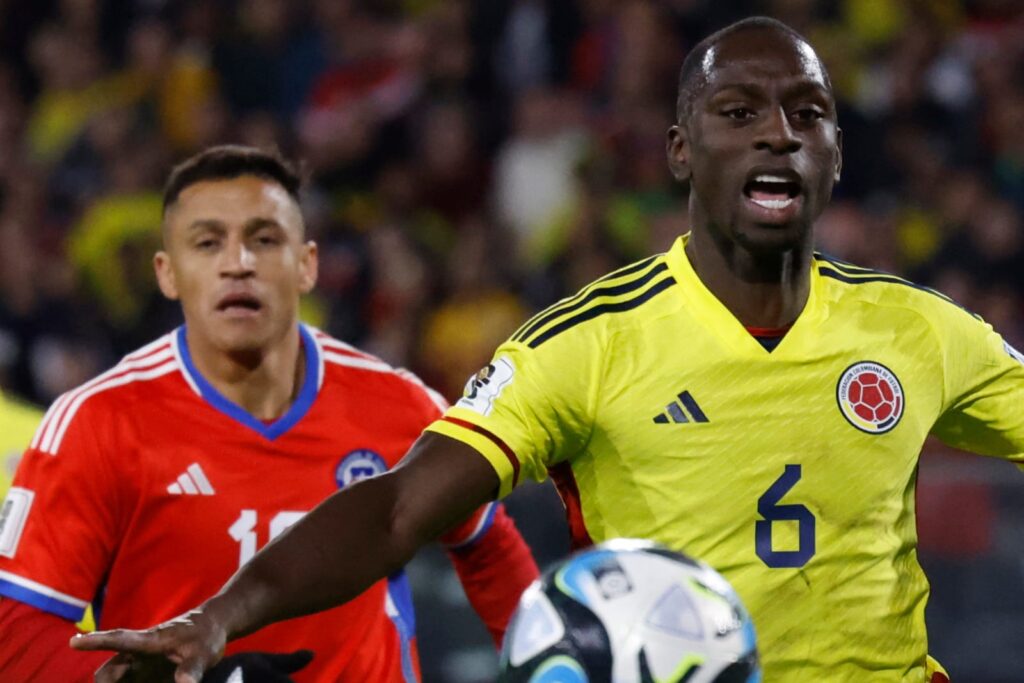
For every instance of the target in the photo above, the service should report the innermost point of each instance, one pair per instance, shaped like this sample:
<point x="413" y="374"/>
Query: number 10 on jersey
<point x="244" y="530"/>
<point x="770" y="510"/>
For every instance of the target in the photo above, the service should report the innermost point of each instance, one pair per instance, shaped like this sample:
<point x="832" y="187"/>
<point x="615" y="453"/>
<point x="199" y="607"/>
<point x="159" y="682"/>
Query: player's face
<point x="762" y="147"/>
<point x="236" y="259"/>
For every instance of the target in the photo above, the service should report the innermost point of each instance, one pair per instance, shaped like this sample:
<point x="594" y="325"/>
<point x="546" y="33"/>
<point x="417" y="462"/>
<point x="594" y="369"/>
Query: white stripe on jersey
<point x="135" y="376"/>
<point x="318" y="337"/>
<point x="181" y="364"/>
<point x="55" y="415"/>
<point x="440" y="401"/>
<point x="354" y="362"/>
<point x="42" y="590"/>
<point x="366" y="361"/>
<point x="148" y="348"/>
<point x="475" y="534"/>
<point x="330" y="343"/>
<point x="46" y="420"/>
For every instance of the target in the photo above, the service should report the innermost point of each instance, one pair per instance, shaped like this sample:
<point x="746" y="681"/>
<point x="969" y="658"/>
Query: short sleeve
<point x="530" y="408"/>
<point x="984" y="384"/>
<point x="60" y="520"/>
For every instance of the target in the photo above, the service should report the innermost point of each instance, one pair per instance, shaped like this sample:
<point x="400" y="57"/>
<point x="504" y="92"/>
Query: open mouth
<point x="240" y="303"/>
<point x="772" y="191"/>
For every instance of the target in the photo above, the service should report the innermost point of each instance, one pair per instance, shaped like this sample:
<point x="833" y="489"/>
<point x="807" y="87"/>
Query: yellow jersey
<point x="792" y="472"/>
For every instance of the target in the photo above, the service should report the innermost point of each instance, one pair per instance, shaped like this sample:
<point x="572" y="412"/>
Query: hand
<point x="192" y="642"/>
<point x="258" y="667"/>
<point x="136" y="668"/>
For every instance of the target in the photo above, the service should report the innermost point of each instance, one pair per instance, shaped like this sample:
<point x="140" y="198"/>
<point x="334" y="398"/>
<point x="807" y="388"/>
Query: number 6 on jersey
<point x="771" y="511"/>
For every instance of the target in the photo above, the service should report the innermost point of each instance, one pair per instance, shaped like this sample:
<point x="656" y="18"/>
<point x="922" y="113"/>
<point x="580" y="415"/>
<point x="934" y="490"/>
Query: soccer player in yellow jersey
<point x="739" y="398"/>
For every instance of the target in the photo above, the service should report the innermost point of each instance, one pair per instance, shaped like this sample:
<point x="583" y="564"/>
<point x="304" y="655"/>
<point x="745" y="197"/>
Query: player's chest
<point x="860" y="406"/>
<point x="223" y="487"/>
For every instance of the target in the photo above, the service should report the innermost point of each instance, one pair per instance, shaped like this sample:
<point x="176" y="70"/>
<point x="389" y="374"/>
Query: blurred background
<point x="472" y="162"/>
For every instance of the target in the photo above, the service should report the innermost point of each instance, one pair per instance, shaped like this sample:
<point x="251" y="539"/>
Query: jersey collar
<point x="311" y="380"/>
<point x="720" y="321"/>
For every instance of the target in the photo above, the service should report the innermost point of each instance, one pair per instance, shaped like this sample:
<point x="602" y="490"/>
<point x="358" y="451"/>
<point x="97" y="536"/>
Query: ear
<point x="309" y="267"/>
<point x="839" y="153"/>
<point x="165" y="274"/>
<point x="677" y="149"/>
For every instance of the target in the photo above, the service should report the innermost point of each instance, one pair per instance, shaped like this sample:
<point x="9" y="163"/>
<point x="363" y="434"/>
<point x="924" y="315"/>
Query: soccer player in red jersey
<point x="146" y="488"/>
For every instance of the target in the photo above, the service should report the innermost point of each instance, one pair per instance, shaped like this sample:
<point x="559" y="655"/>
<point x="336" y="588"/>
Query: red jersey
<point x="145" y="489"/>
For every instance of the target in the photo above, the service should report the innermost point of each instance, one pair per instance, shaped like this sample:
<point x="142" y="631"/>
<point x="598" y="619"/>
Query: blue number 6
<point x="768" y="507"/>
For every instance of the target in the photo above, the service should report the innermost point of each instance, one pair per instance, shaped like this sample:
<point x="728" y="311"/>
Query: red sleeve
<point x="35" y="647"/>
<point x="63" y="511"/>
<point x="494" y="565"/>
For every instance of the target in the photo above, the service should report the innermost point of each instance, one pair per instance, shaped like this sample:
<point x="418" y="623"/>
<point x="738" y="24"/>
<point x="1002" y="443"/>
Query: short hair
<point x="225" y="162"/>
<point x="690" y="81"/>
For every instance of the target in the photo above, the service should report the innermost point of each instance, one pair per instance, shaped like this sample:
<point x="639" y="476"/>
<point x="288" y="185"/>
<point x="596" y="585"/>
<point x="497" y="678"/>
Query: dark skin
<point x="765" y="109"/>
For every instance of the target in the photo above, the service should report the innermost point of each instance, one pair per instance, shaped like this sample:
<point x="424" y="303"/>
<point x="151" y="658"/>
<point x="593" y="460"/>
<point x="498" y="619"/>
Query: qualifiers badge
<point x="359" y="464"/>
<point x="870" y="397"/>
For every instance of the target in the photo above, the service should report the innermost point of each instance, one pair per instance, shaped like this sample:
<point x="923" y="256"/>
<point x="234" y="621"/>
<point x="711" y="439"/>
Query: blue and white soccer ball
<point x="630" y="611"/>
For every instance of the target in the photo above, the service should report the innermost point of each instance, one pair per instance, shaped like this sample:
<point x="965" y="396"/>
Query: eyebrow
<point x="798" y="88"/>
<point x="251" y="226"/>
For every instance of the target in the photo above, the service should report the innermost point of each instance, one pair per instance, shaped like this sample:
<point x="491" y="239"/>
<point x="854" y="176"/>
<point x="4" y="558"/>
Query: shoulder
<point x="100" y="399"/>
<point x="852" y="284"/>
<point x="343" y="362"/>
<point x="623" y="298"/>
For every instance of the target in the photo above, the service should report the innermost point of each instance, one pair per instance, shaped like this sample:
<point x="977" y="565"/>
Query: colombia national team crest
<point x="870" y="397"/>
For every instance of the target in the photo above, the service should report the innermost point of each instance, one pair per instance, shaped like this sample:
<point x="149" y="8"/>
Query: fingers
<point x="114" y="669"/>
<point x="122" y="640"/>
<point x="191" y="670"/>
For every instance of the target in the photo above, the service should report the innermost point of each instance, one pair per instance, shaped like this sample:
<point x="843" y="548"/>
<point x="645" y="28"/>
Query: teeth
<point x="766" y="178"/>
<point x="773" y="203"/>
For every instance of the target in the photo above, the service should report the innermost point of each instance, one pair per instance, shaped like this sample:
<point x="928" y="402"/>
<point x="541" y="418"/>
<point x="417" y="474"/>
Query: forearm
<point x="320" y="562"/>
<point x="352" y="539"/>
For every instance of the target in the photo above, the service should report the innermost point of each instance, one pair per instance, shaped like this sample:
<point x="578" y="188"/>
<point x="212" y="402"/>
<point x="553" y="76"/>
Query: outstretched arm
<point x="352" y="539"/>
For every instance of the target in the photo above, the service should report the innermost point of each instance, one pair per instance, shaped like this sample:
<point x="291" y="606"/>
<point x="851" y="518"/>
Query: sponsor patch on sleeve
<point x="1014" y="353"/>
<point x="484" y="388"/>
<point x="13" y="514"/>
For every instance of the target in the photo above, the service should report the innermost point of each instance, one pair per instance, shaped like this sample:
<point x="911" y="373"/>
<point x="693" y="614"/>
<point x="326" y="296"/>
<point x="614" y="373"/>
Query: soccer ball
<point x="630" y="611"/>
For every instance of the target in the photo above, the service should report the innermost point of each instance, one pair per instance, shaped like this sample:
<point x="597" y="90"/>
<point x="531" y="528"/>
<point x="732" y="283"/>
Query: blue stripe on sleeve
<point x="40" y="601"/>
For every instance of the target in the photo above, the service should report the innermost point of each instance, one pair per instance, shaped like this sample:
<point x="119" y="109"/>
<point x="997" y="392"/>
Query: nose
<point x="237" y="261"/>
<point x="776" y="135"/>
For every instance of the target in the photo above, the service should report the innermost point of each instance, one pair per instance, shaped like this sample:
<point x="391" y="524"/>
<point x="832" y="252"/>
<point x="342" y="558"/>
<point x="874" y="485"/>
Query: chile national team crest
<point x="359" y="464"/>
<point x="870" y="397"/>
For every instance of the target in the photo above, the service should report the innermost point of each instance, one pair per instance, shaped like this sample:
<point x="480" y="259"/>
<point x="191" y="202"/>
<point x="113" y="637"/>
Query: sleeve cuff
<point x="490" y="446"/>
<point x="41" y="597"/>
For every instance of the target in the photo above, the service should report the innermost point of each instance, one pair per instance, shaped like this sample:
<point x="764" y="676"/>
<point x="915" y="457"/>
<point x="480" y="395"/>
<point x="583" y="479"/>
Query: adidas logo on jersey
<point x="684" y="409"/>
<point x="191" y="482"/>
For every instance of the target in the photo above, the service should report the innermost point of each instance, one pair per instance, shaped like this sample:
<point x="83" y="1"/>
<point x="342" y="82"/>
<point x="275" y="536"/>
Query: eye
<point x="808" y="114"/>
<point x="738" y="113"/>
<point x="267" y="240"/>
<point x="206" y="244"/>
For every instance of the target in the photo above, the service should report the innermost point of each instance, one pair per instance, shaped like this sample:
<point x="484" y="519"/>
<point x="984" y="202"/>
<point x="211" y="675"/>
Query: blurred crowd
<point x="469" y="161"/>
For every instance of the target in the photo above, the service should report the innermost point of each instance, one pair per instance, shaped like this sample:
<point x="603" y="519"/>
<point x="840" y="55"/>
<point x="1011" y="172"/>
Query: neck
<point x="761" y="289"/>
<point x="264" y="382"/>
